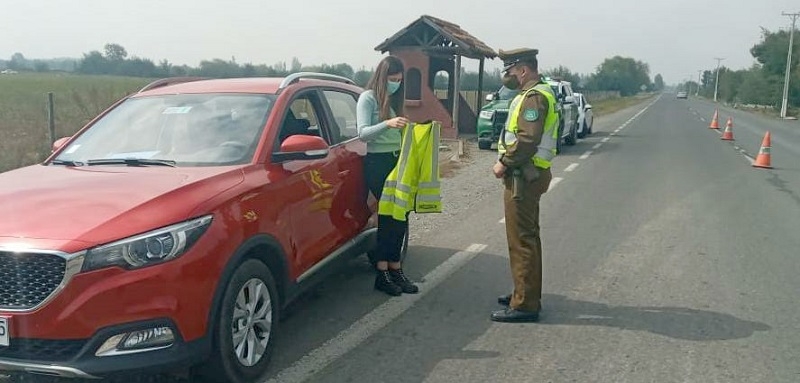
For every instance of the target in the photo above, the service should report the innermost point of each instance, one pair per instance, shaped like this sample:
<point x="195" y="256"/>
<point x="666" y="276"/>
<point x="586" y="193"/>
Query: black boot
<point x="384" y="282"/>
<point x="401" y="280"/>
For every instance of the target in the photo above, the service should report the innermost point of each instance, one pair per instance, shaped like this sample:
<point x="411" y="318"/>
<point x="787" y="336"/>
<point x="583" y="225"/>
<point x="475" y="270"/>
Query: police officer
<point x="526" y="148"/>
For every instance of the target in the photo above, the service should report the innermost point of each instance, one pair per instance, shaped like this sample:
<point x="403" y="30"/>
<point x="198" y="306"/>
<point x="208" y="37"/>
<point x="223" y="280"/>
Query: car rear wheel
<point x="246" y="326"/>
<point x="560" y="139"/>
<point x="572" y="138"/>
<point x="583" y="131"/>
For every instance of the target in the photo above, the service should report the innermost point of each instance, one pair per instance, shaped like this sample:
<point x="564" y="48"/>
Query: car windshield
<point x="180" y="130"/>
<point x="506" y="94"/>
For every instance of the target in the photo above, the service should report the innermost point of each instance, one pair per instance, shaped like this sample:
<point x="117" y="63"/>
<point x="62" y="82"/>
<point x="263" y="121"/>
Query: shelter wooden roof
<point x="437" y="36"/>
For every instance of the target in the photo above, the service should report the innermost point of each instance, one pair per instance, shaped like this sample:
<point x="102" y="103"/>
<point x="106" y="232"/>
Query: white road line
<point x="555" y="181"/>
<point x="586" y="155"/>
<point x="369" y="324"/>
<point x="572" y="167"/>
<point x="597" y="146"/>
<point x="605" y="139"/>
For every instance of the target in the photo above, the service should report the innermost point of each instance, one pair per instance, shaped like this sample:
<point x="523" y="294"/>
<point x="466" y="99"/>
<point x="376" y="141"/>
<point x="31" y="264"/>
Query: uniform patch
<point x="531" y="115"/>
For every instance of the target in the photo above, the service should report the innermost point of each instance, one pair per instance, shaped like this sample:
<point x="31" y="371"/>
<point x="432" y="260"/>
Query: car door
<point x="350" y="212"/>
<point x="308" y="187"/>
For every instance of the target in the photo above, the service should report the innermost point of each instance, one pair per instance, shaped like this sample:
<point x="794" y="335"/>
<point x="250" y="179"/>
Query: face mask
<point x="510" y="81"/>
<point x="393" y="86"/>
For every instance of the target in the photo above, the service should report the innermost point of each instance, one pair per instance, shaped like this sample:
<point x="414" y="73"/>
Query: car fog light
<point x="137" y="341"/>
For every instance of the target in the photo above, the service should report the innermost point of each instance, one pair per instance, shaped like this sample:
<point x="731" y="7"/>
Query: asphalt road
<point x="667" y="258"/>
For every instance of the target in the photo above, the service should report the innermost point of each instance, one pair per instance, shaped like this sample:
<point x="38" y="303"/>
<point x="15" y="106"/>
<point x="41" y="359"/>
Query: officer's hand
<point x="499" y="169"/>
<point x="397" y="122"/>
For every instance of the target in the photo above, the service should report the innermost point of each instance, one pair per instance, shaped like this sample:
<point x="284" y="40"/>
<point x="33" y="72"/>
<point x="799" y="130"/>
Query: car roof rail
<point x="295" y="77"/>
<point x="169" y="81"/>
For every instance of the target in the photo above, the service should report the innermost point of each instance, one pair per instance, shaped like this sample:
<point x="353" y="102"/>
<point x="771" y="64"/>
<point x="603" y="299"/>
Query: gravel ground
<point x="466" y="179"/>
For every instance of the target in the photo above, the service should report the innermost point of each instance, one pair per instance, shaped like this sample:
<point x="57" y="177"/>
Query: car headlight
<point x="486" y="114"/>
<point x="149" y="248"/>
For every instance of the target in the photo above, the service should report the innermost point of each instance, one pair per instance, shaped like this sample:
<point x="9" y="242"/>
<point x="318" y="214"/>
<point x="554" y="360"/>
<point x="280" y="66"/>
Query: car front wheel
<point x="246" y="326"/>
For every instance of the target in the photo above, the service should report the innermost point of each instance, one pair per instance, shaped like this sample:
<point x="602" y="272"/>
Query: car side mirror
<point x="569" y="100"/>
<point x="59" y="143"/>
<point x="588" y="106"/>
<point x="301" y="147"/>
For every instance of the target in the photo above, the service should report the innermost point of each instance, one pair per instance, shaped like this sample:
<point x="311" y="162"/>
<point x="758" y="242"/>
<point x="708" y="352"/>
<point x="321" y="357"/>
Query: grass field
<point x="611" y="105"/>
<point x="24" y="131"/>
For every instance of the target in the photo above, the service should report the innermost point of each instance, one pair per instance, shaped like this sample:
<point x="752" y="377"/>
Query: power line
<point x="788" y="64"/>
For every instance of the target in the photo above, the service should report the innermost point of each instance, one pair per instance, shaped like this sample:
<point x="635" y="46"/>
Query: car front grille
<point x="42" y="350"/>
<point x="27" y="279"/>
<point x="499" y="121"/>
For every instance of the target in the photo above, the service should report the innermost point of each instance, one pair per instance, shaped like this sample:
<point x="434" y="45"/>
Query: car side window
<point x="302" y="117"/>
<point x="343" y="110"/>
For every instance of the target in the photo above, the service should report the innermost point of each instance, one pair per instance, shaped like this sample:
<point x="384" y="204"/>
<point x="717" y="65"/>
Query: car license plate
<point x="5" y="337"/>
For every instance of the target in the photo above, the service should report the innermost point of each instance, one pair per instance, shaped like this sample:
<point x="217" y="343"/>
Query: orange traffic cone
<point x="727" y="135"/>
<point x="763" y="158"/>
<point x="715" y="120"/>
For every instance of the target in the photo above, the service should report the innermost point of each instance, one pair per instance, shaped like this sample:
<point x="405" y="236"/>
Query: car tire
<point x="485" y="145"/>
<point x="588" y="127"/>
<point x="582" y="133"/>
<point x="559" y="140"/>
<point x="572" y="138"/>
<point x="252" y="283"/>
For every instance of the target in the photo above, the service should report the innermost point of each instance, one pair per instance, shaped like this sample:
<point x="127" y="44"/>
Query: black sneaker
<point x="401" y="280"/>
<point x="384" y="282"/>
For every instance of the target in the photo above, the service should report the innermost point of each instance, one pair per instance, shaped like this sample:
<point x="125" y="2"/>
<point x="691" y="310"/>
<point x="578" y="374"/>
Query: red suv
<point x="172" y="229"/>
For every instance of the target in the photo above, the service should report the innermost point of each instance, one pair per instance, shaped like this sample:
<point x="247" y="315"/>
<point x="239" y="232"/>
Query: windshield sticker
<point x="177" y="110"/>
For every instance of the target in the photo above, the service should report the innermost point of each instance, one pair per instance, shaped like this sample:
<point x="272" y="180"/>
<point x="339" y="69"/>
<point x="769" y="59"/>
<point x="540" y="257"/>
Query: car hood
<point x="495" y="105"/>
<point x="77" y="206"/>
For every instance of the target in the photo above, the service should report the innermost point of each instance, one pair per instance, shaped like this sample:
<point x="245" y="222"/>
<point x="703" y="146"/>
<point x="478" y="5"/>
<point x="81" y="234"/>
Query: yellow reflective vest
<point x="547" y="147"/>
<point x="413" y="184"/>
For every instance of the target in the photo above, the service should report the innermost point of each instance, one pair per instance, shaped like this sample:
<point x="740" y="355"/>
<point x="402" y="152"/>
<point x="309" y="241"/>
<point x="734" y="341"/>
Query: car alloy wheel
<point x="246" y="327"/>
<point x="252" y="322"/>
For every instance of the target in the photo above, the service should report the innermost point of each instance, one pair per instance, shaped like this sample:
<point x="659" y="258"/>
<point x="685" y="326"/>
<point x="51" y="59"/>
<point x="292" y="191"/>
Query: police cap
<point x="515" y="56"/>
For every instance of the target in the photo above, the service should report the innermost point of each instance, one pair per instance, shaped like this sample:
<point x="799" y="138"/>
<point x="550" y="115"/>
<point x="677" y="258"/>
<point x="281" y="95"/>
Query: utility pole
<point x="699" y="82"/>
<point x="716" y="82"/>
<point x="788" y="65"/>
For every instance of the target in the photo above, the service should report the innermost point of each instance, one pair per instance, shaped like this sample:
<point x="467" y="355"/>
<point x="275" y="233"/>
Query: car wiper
<point x="131" y="162"/>
<point x="67" y="162"/>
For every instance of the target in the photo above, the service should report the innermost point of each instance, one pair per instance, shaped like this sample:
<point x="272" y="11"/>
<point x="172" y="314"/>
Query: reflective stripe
<point x="414" y="184"/>
<point x="546" y="150"/>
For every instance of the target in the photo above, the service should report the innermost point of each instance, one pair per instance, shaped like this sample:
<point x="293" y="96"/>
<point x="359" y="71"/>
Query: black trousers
<point x="391" y="232"/>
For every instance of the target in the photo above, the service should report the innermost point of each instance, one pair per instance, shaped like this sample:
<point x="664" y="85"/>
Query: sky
<point x="675" y="37"/>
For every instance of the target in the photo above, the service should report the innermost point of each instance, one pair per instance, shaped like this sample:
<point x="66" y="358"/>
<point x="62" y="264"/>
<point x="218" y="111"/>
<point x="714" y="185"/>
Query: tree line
<point x="762" y="83"/>
<point x="622" y="74"/>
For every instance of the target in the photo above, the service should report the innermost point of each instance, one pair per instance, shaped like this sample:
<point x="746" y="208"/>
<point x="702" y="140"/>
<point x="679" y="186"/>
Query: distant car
<point x="682" y="95"/>
<point x="585" y="115"/>
<point x="568" y="112"/>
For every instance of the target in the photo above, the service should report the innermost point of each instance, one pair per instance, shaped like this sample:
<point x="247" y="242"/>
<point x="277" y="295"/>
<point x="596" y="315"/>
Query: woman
<point x="380" y="123"/>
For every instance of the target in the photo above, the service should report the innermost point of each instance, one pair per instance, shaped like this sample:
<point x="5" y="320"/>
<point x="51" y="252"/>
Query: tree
<point x="622" y="74"/>
<point x="563" y="73"/>
<point x="115" y="52"/>
<point x="296" y="65"/>
<point x="658" y="82"/>
<point x="94" y="63"/>
<point x="18" y="62"/>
